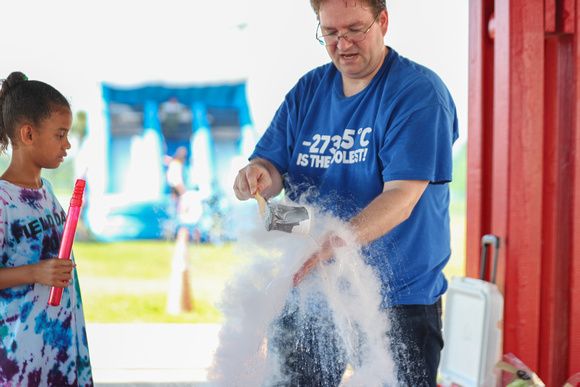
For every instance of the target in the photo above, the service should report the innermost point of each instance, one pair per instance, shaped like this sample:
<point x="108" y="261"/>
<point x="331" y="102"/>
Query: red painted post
<point x="524" y="173"/>
<point x="568" y="16"/>
<point x="550" y="16"/>
<point x="480" y="139"/>
<point x="574" y="328"/>
<point x="556" y="220"/>
<point x="517" y="171"/>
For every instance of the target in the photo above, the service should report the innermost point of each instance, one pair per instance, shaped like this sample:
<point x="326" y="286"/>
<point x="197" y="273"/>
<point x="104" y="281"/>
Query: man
<point x="371" y="135"/>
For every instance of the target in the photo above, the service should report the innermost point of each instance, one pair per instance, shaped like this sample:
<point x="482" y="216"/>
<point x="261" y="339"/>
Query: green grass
<point x="125" y="282"/>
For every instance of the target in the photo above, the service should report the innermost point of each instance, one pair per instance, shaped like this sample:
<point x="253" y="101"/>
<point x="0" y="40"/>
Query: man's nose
<point x="344" y="40"/>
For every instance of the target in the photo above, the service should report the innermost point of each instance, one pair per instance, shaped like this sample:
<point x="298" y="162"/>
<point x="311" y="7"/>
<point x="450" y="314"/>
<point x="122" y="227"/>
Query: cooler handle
<point x="486" y="240"/>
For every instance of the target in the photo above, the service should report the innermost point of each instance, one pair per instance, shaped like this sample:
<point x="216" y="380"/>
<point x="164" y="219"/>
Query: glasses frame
<point x="320" y="38"/>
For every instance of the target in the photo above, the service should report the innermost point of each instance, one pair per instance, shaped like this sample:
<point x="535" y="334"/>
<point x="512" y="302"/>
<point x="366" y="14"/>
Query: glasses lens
<point x="354" y="36"/>
<point x="330" y="40"/>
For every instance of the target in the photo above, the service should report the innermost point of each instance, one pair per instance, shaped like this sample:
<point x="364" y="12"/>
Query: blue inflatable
<point x="163" y="158"/>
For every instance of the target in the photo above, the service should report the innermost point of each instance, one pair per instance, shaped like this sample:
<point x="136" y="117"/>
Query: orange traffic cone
<point x="179" y="295"/>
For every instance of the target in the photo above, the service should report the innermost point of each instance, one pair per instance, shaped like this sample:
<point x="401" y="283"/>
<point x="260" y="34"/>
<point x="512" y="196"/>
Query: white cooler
<point x="472" y="329"/>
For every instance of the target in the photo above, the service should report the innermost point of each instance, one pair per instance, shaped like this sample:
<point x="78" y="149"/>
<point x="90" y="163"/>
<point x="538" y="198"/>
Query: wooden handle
<point x="261" y="202"/>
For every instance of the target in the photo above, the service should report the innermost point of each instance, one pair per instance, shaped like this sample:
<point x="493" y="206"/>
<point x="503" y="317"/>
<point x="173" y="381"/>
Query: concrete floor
<point x="151" y="355"/>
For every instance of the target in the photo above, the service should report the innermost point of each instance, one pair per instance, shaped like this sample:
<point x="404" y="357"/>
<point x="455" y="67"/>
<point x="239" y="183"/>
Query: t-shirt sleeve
<point x="419" y="146"/>
<point x="276" y="145"/>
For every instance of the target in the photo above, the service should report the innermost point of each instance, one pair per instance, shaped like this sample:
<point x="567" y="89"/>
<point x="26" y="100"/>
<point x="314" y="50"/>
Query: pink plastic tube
<point x="68" y="236"/>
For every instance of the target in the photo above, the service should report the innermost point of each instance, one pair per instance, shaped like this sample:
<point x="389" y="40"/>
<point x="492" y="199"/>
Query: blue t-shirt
<point x="336" y="152"/>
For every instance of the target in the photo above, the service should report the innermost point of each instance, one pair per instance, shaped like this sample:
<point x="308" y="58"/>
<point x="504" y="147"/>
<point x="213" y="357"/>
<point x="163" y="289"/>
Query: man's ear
<point x="385" y="25"/>
<point x="26" y="133"/>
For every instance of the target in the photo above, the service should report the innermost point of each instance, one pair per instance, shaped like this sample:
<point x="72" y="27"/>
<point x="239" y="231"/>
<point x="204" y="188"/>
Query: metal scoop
<point x="290" y="219"/>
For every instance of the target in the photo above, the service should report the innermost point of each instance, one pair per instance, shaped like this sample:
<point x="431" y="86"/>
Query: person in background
<point x="367" y="138"/>
<point x="41" y="345"/>
<point x="175" y="173"/>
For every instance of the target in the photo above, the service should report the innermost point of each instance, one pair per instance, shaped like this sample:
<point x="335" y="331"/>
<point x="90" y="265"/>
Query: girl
<point x="41" y="345"/>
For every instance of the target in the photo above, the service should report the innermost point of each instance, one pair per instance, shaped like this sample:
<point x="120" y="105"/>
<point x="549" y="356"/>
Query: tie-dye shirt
<point x="41" y="345"/>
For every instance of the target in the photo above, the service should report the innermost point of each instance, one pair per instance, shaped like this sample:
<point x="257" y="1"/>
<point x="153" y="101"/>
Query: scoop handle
<point x="261" y="202"/>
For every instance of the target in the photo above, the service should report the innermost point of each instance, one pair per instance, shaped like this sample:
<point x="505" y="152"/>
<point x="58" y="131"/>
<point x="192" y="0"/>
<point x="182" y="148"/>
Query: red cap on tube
<point x="77" y="196"/>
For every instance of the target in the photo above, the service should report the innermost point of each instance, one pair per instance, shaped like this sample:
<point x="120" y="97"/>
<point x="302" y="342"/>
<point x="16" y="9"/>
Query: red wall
<point x="524" y="173"/>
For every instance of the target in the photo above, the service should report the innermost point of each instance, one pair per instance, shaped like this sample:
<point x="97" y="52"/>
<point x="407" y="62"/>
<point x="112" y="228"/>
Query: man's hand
<point x="323" y="255"/>
<point x="393" y="206"/>
<point x="258" y="176"/>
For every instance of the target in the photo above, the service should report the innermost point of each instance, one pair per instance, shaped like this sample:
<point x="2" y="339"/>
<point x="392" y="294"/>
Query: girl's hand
<point x="53" y="272"/>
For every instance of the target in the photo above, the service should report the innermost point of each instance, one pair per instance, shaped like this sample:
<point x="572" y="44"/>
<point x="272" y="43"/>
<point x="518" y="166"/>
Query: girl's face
<point x="51" y="141"/>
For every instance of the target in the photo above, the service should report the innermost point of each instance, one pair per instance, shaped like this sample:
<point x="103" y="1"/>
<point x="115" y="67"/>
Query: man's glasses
<point x="352" y="36"/>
